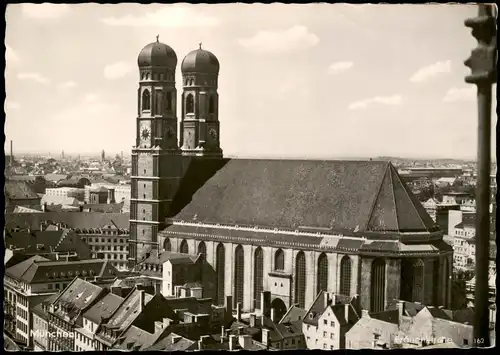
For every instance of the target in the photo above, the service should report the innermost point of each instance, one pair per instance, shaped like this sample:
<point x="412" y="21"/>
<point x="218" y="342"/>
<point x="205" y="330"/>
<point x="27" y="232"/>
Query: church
<point x="289" y="227"/>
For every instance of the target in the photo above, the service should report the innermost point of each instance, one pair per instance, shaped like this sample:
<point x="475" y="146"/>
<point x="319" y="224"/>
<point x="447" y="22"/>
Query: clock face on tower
<point x="145" y="133"/>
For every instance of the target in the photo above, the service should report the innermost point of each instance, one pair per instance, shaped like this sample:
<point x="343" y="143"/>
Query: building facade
<point x="293" y="228"/>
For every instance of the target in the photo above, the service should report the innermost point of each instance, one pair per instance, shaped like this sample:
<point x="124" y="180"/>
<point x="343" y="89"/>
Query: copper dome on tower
<point x="200" y="61"/>
<point x="157" y="54"/>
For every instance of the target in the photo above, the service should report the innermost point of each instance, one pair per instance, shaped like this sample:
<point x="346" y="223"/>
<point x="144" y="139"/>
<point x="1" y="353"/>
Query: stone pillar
<point x="355" y="271"/>
<point x="333" y="272"/>
<point x="268" y="254"/>
<point x="365" y="282"/>
<point x="228" y="273"/>
<point x="311" y="277"/>
<point x="248" y="304"/>
<point x="392" y="280"/>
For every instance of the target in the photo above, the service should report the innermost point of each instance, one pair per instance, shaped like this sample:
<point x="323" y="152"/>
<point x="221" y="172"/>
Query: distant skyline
<point x="296" y="81"/>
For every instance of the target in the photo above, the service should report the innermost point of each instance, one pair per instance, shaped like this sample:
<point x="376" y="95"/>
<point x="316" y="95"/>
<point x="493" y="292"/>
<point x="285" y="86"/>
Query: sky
<point x="296" y="81"/>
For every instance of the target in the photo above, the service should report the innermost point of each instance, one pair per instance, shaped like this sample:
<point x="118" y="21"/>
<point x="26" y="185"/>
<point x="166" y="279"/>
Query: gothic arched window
<point x="258" y="276"/>
<point x="220" y="265"/>
<point x="190" y="103"/>
<point x="239" y="274"/>
<point x="322" y="282"/>
<point x="184" y="249"/>
<point x="159" y="103"/>
<point x="300" y="279"/>
<point x="202" y="249"/>
<point x="166" y="245"/>
<point x="146" y="100"/>
<point x="168" y="100"/>
<point x="377" y="298"/>
<point x="345" y="276"/>
<point x="211" y="105"/>
<point x="418" y="280"/>
<point x="407" y="282"/>
<point x="279" y="260"/>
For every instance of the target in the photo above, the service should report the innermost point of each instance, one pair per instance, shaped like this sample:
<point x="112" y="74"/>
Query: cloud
<point x="462" y="94"/>
<point x="91" y="97"/>
<point x="117" y="70"/>
<point x="385" y="100"/>
<point x="67" y="85"/>
<point x="339" y="67"/>
<point x="11" y="105"/>
<point x="431" y="71"/>
<point x="292" y="39"/>
<point x="166" y="17"/>
<point x="35" y="77"/>
<point x="45" y="10"/>
<point x="10" y="55"/>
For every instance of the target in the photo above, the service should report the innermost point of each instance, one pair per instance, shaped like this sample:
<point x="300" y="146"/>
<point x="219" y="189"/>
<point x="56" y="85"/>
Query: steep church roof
<point x="359" y="196"/>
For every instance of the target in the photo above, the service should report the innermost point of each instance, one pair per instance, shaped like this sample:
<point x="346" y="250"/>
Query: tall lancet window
<point x="190" y="103"/>
<point x="184" y="249"/>
<point x="418" y="280"/>
<point x="300" y="279"/>
<point x="159" y="103"/>
<point x="202" y="249"/>
<point x="279" y="260"/>
<point x="211" y="105"/>
<point x="407" y="283"/>
<point x="377" y="299"/>
<point x="168" y="102"/>
<point x="322" y="282"/>
<point x="146" y="100"/>
<point x="220" y="269"/>
<point x="258" y="276"/>
<point x="166" y="245"/>
<point x="345" y="276"/>
<point x="239" y="274"/>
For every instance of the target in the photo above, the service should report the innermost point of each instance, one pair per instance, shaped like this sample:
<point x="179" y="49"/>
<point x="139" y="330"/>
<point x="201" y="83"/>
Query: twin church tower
<point x="159" y="152"/>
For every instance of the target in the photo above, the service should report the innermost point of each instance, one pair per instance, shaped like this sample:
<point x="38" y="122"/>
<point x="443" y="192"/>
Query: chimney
<point x="197" y="292"/>
<point x="222" y="333"/>
<point x="229" y="306"/>
<point x="265" y="336"/>
<point x="202" y="342"/>
<point x="265" y="303"/>
<point x="346" y="310"/>
<point x="365" y="314"/>
<point x="253" y="320"/>
<point x="177" y="291"/>
<point x="326" y="299"/>
<point x="245" y="341"/>
<point x="141" y="301"/>
<point x="157" y="287"/>
<point x="111" y="196"/>
<point x="183" y="292"/>
<point x="232" y="342"/>
<point x="238" y="311"/>
<point x="273" y="315"/>
<point x="401" y="308"/>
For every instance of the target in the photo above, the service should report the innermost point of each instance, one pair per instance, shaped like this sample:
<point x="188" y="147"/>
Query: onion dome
<point x="200" y="61"/>
<point x="157" y="54"/>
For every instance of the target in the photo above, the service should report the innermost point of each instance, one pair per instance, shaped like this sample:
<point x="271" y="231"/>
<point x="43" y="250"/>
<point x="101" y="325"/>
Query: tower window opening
<point x="146" y="100"/>
<point x="211" y="105"/>
<point x="169" y="101"/>
<point x="189" y="104"/>
<point x="159" y="102"/>
<point x="161" y="76"/>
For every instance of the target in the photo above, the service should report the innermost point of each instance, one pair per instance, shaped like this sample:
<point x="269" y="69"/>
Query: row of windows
<point x="300" y="282"/>
<point x="22" y="326"/>
<point x="156" y="76"/>
<point x="190" y="104"/>
<point x="22" y="313"/>
<point x="161" y="104"/>
<point x="109" y="248"/>
<point x="191" y="82"/>
<point x="106" y="240"/>
<point x="57" y="286"/>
